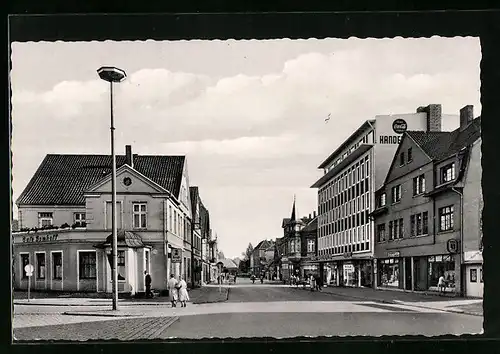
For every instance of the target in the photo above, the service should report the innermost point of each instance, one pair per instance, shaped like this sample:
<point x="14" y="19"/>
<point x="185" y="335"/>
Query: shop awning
<point x="125" y="239"/>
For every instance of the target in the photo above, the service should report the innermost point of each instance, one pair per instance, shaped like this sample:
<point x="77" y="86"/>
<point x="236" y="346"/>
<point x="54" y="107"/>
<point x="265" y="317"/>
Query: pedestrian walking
<point x="147" y="281"/>
<point x="317" y="280"/>
<point x="183" y="292"/>
<point x="235" y="278"/>
<point x="312" y="284"/>
<point x="442" y="284"/>
<point x="172" y="290"/>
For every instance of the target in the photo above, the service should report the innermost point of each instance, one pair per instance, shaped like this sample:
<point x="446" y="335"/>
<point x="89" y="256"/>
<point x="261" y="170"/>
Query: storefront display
<point x="350" y="275"/>
<point x="441" y="266"/>
<point x="366" y="269"/>
<point x="390" y="272"/>
<point x="330" y="274"/>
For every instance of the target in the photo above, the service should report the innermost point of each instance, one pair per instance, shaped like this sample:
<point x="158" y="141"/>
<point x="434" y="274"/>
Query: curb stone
<point x="102" y="314"/>
<point x="396" y="302"/>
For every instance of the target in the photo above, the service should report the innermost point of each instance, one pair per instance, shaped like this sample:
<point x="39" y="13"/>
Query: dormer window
<point x="448" y="173"/>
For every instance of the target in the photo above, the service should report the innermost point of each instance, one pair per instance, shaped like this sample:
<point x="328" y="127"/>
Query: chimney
<point x="309" y="215"/>
<point x="466" y="116"/>
<point x="314" y="214"/>
<point x="433" y="117"/>
<point x="129" y="159"/>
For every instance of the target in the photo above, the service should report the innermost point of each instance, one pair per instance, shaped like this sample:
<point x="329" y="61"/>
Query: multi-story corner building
<point x="65" y="222"/>
<point x="428" y="212"/>
<point x="297" y="249"/>
<point x="346" y="194"/>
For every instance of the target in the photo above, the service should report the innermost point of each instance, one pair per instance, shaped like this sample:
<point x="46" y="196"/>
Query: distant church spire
<point x="293" y="217"/>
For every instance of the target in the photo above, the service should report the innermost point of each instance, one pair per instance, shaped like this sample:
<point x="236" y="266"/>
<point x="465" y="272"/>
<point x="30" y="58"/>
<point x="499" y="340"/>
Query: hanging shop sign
<point x="394" y="254"/>
<point x="39" y="238"/>
<point x="452" y="246"/>
<point x="176" y="255"/>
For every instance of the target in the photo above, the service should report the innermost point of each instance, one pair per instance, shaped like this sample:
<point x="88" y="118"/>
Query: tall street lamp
<point x="112" y="75"/>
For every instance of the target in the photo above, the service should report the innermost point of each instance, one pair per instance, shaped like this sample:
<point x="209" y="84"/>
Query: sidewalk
<point x="443" y="303"/>
<point x="197" y="295"/>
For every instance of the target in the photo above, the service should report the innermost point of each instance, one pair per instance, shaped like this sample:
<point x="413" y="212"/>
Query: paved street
<point x="251" y="310"/>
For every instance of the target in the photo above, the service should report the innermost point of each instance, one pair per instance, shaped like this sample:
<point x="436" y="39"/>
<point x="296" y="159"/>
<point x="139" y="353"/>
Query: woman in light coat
<point x="172" y="290"/>
<point x="183" y="292"/>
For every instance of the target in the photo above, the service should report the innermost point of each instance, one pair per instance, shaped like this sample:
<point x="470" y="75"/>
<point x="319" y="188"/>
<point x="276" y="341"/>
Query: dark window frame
<point x="56" y="263"/>
<point x="473" y="275"/>
<point x="446" y="215"/>
<point x="86" y="266"/>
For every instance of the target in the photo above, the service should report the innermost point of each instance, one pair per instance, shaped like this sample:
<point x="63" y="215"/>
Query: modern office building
<point x="346" y="194"/>
<point x="427" y="214"/>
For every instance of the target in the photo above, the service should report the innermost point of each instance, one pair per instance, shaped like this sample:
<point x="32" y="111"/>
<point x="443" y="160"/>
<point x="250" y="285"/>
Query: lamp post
<point x="112" y="75"/>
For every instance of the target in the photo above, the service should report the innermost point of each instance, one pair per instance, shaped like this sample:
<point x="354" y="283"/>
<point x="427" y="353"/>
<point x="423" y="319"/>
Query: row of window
<point x="178" y="224"/>
<point x="343" y="224"/>
<point x="351" y="208"/>
<point x="447" y="174"/>
<point x="355" y="235"/>
<point x="368" y="138"/>
<point x="358" y="247"/>
<point x="357" y="172"/>
<point x="47" y="219"/>
<point x="345" y="196"/>
<point x="419" y="225"/>
<point x="87" y="265"/>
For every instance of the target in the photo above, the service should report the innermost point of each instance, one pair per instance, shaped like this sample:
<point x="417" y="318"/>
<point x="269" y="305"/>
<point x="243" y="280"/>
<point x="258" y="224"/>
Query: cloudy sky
<point x="249" y="115"/>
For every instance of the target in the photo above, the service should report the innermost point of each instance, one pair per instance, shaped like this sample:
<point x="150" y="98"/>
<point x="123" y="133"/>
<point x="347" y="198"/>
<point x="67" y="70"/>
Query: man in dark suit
<point x="148" y="284"/>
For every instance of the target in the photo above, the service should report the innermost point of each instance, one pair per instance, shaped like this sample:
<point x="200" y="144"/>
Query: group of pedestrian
<point x="177" y="291"/>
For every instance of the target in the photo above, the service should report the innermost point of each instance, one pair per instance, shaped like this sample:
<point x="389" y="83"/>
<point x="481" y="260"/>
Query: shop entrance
<point x="350" y="278"/>
<point x="408" y="273"/>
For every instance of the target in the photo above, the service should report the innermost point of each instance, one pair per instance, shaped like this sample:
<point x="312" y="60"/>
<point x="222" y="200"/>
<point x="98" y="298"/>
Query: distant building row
<point x="400" y="205"/>
<point x="64" y="225"/>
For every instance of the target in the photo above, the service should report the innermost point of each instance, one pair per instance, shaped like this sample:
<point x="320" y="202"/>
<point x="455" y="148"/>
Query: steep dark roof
<point x="441" y="145"/>
<point x="311" y="226"/>
<point x="265" y="244"/>
<point x="62" y="179"/>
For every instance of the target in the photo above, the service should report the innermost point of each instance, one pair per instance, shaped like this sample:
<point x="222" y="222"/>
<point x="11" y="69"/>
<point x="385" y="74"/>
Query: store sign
<point x="394" y="254"/>
<point x="39" y="238"/>
<point x="452" y="246"/>
<point x="348" y="255"/>
<point x="322" y="257"/>
<point x="348" y="267"/>
<point x="399" y="126"/>
<point x="176" y="255"/>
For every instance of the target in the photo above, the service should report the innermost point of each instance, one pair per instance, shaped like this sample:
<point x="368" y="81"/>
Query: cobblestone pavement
<point x="285" y="325"/>
<point x="122" y="329"/>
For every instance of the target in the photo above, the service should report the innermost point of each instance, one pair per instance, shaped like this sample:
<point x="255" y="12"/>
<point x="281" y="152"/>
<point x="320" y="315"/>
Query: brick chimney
<point x="434" y="116"/>
<point x="129" y="158"/>
<point x="314" y="214"/>
<point x="466" y="116"/>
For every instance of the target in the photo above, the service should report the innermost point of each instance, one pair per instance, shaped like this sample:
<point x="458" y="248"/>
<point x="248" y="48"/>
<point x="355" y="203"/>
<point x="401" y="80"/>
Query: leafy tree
<point x="248" y="253"/>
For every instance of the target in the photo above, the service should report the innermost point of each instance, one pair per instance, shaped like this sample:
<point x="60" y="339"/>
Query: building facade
<point x="297" y="249"/>
<point x="262" y="257"/>
<point x="427" y="214"/>
<point x="65" y="223"/>
<point x="346" y="194"/>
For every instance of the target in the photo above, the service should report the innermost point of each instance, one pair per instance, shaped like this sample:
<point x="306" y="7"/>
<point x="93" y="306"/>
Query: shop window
<point x="448" y="173"/>
<point x="57" y="265"/>
<point x="79" y="219"/>
<point x="396" y="194"/>
<point x="381" y="232"/>
<point x="25" y="260"/>
<point x="473" y="275"/>
<point x="45" y="219"/>
<point x="390" y="273"/>
<point x="441" y="266"/>
<point x="40" y="266"/>
<point x="87" y="265"/>
<point x="446" y="218"/>
<point x="410" y="155"/>
<point x="419" y="185"/>
<point x="381" y="200"/>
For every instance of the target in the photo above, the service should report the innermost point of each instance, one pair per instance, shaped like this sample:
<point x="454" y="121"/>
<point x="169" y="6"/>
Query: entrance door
<point x="408" y="273"/>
